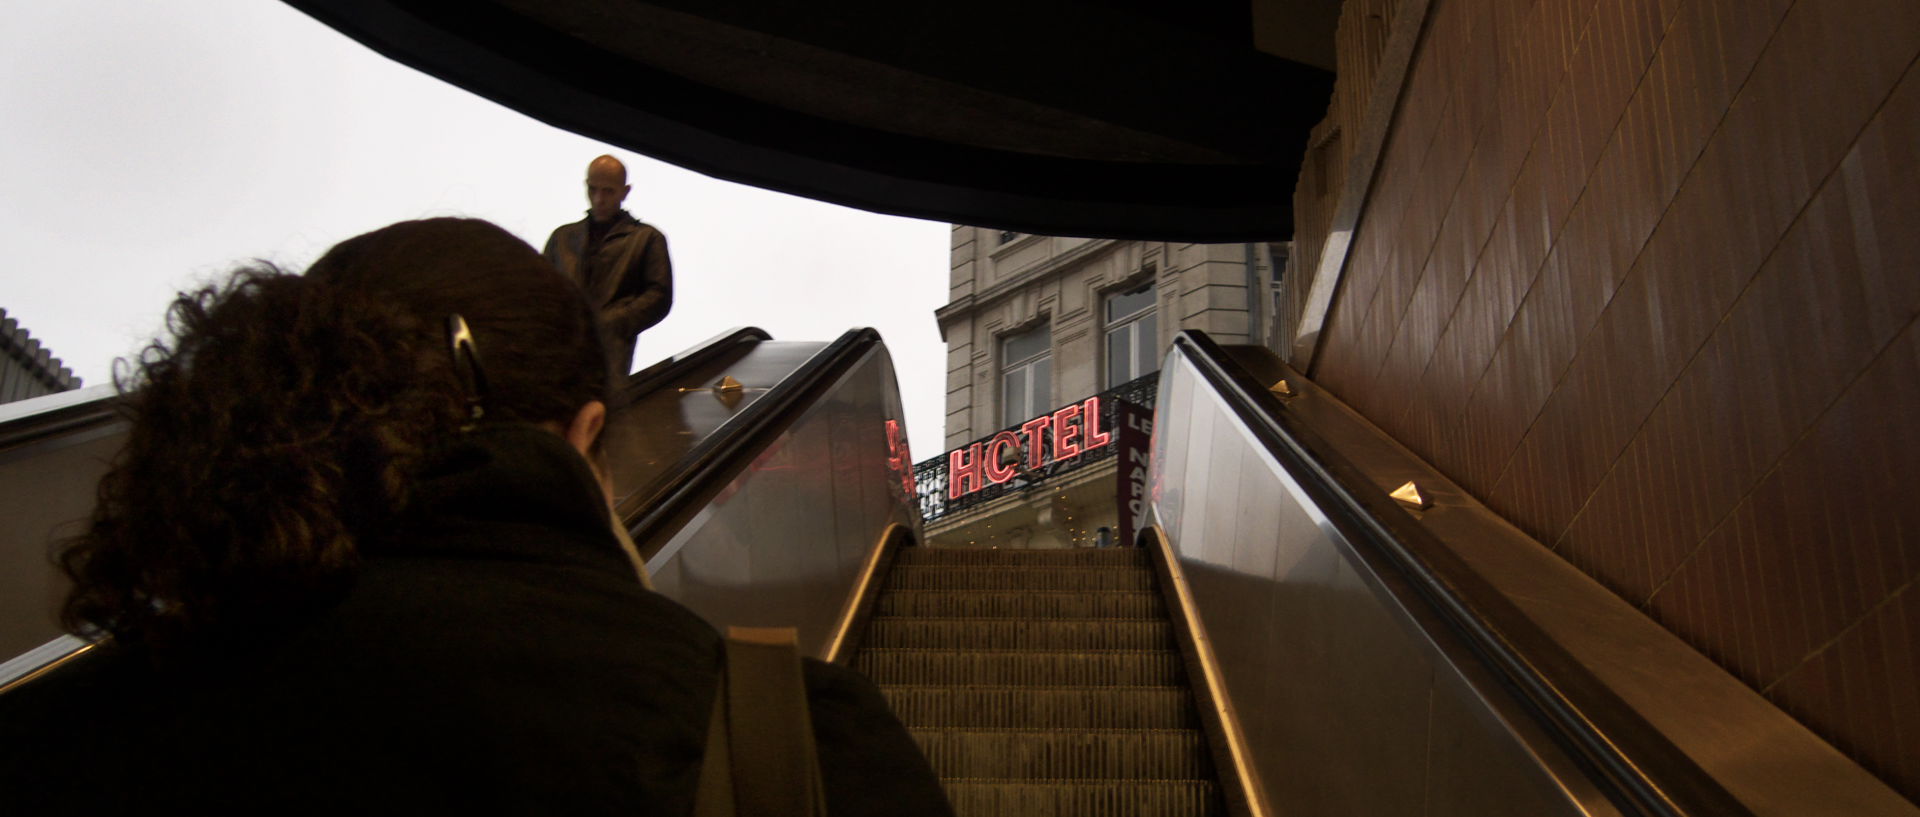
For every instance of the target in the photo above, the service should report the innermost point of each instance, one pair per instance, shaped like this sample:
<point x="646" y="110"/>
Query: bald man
<point x="620" y="261"/>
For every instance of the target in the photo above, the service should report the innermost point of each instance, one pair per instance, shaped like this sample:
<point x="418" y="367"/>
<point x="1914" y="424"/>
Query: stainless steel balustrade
<point x="53" y="450"/>
<point x="1371" y="658"/>
<point x="781" y="517"/>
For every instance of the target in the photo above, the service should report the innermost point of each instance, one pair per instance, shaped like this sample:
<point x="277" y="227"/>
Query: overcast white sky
<point x="145" y="147"/>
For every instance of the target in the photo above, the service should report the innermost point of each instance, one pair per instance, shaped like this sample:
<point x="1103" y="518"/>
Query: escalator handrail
<point x="743" y="436"/>
<point x="1613" y="742"/>
<point x="48" y="416"/>
<point x="646" y="380"/>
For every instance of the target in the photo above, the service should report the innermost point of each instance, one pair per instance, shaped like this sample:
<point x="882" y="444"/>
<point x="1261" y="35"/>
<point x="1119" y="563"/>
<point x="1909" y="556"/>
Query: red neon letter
<point x="995" y="471"/>
<point x="1036" y="430"/>
<point x="963" y="467"/>
<point x="1066" y="435"/>
<point x="1090" y="420"/>
<point x="893" y="444"/>
<point x="898" y="458"/>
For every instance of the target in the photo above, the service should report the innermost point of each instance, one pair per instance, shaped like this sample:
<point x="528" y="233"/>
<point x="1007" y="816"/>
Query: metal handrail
<point x="742" y="438"/>
<point x="37" y="419"/>
<point x="1613" y="743"/>
<point x="646" y="380"/>
<point x="16" y="672"/>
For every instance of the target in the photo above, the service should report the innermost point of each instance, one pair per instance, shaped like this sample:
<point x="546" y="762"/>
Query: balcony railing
<point x="930" y="476"/>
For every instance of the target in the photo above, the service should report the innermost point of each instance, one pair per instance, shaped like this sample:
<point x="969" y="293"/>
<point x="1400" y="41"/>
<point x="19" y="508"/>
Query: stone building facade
<point x="28" y="369"/>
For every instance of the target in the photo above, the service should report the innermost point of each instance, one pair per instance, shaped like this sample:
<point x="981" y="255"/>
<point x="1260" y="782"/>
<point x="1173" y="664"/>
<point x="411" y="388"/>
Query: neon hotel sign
<point x="1075" y="430"/>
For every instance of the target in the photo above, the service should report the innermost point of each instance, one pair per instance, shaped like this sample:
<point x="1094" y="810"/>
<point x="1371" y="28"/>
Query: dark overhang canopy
<point x="1123" y="119"/>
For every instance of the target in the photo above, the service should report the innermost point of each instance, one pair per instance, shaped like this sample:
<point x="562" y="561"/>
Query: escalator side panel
<point x="46" y="493"/>
<point x="652" y="435"/>
<point x="1348" y="702"/>
<point x="784" y="541"/>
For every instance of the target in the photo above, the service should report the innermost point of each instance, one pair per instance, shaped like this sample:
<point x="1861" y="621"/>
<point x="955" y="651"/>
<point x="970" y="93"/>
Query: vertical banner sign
<point x="1133" y="433"/>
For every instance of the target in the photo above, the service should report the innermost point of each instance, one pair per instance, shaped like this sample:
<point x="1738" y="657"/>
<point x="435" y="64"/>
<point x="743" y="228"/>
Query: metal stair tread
<point x="1107" y="729"/>
<point x="1041" y="706"/>
<point x="994" y="633"/>
<point x="1101" y="731"/>
<point x="939" y="555"/>
<point x="1022" y="593"/>
<point x="1058" y="687"/>
<point x="1081" y="781"/>
<point x="1028" y="604"/>
<point x="1177" y="797"/>
<point x="1077" y="578"/>
<point x="1018" y="650"/>
<point x="1010" y="566"/>
<point x="1140" y="754"/>
<point x="1062" y="619"/>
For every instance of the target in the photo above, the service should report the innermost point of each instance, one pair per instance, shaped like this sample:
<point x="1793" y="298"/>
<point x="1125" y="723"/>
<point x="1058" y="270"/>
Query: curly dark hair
<point x="279" y="429"/>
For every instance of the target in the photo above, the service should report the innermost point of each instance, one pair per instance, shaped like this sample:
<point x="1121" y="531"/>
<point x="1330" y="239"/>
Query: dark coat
<point x="628" y="278"/>
<point x="498" y="656"/>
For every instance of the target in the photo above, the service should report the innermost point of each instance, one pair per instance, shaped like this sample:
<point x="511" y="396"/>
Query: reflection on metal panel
<point x="649" y="437"/>
<point x="1463" y="666"/>
<point x="784" y="541"/>
<point x="1348" y="702"/>
<point x="46" y="493"/>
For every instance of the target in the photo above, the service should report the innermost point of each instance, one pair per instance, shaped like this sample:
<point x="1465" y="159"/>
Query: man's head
<point x="606" y="187"/>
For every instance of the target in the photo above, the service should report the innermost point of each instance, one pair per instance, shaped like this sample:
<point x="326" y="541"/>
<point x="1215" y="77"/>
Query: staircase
<point x="1041" y="682"/>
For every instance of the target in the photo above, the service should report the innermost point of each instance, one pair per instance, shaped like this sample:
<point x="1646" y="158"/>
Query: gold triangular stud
<point x="1282" y="388"/>
<point x="1409" y="494"/>
<point x="727" y="383"/>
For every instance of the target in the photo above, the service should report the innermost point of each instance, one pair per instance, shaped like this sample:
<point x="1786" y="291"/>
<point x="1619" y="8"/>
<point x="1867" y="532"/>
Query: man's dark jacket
<point x="499" y="656"/>
<point x="627" y="276"/>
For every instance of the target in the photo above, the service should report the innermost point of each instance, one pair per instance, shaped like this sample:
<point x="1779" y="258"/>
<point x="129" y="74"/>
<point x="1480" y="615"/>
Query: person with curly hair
<point x="358" y="555"/>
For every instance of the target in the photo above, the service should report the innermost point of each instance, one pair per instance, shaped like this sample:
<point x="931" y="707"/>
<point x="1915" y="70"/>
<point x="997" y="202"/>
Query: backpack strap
<point x="761" y="760"/>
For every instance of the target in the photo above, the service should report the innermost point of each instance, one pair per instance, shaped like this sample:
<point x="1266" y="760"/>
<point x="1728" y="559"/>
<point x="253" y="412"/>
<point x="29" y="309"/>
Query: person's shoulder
<point x="635" y="223"/>
<point x="868" y="760"/>
<point x="830" y="680"/>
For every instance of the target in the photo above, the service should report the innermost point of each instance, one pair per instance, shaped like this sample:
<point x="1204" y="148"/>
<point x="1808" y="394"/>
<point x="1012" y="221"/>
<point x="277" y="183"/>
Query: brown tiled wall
<point x="1643" y="275"/>
<point x="1360" y="42"/>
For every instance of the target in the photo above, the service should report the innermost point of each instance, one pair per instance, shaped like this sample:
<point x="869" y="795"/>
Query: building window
<point x="1133" y="335"/>
<point x="1026" y="374"/>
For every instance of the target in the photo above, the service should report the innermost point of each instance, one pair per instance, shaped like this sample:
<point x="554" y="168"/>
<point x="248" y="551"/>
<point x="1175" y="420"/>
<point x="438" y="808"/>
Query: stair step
<point x="1041" y="683"/>
<point x="1025" y="605"/>
<point x="1075" y="798"/>
<point x="1002" y="556"/>
<point x="1024" y="577"/>
<point x="1009" y="707"/>
<point x="1020" y="667"/>
<point x="1123" y="754"/>
<point x="1014" y="634"/>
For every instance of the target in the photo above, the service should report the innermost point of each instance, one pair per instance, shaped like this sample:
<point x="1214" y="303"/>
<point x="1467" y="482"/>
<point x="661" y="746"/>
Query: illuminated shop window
<point x="1133" y="335"/>
<point x="1026" y="374"/>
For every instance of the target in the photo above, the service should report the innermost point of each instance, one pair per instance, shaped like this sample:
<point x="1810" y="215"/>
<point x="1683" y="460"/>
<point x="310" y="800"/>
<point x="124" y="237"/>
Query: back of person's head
<point x="276" y="432"/>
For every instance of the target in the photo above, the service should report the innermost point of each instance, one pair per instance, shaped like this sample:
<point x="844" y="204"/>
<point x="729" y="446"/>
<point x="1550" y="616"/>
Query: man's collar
<point x="619" y="218"/>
